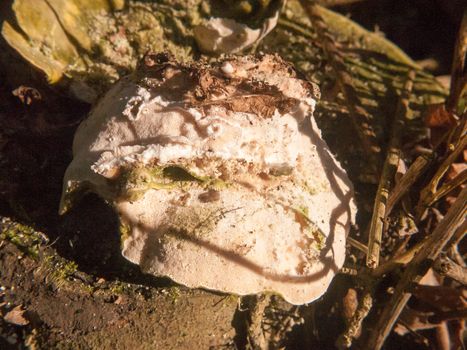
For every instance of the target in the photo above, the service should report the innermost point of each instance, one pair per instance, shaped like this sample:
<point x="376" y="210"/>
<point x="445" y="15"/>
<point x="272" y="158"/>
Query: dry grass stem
<point x="358" y="245"/>
<point x="256" y="336"/>
<point x="398" y="261"/>
<point x="431" y="189"/>
<point x="458" y="71"/>
<point x="418" y="168"/>
<point x="387" y="175"/>
<point x="417" y="268"/>
<point x="446" y="267"/>
<point x="448" y="187"/>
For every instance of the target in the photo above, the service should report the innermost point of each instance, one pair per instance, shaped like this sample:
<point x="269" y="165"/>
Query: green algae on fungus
<point x="204" y="165"/>
<point x="135" y="181"/>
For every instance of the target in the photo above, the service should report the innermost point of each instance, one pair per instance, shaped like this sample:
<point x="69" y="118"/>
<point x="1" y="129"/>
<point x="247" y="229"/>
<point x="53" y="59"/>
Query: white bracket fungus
<point x="219" y="175"/>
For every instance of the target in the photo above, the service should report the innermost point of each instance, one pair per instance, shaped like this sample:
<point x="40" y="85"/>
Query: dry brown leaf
<point x="454" y="170"/>
<point x="439" y="121"/>
<point x="438" y="117"/>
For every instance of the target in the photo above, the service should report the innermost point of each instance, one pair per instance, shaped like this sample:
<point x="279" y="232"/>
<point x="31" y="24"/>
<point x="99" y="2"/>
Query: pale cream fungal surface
<point x="219" y="175"/>
<point x="225" y="35"/>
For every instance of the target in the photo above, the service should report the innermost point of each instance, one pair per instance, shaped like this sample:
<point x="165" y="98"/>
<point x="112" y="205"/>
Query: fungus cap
<point x="219" y="175"/>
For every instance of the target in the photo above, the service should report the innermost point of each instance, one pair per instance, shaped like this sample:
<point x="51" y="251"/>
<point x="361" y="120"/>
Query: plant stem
<point x="454" y="219"/>
<point x="418" y="168"/>
<point x="356" y="244"/>
<point x="460" y="179"/>
<point x="387" y="175"/>
<point x="458" y="70"/>
<point x="446" y="267"/>
<point x="430" y="190"/>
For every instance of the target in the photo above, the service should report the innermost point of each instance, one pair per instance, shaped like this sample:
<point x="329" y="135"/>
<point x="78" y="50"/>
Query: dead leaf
<point x="16" y="316"/>
<point x="454" y="170"/>
<point x="439" y="121"/>
<point x="438" y="117"/>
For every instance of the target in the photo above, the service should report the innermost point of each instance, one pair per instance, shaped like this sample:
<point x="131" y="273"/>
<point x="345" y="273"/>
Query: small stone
<point x="120" y="300"/>
<point x="16" y="316"/>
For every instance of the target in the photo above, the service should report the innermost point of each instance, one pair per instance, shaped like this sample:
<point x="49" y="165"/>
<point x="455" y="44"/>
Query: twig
<point x="430" y="190"/>
<point x="453" y="250"/>
<point x="398" y="261"/>
<point x="256" y="336"/>
<point x="456" y="239"/>
<point x="348" y="271"/>
<point x="356" y="244"/>
<point x="448" y="187"/>
<point x="417" y="268"/>
<point x="364" y="306"/>
<point x="418" y="168"/>
<point x="442" y="337"/>
<point x="458" y="70"/>
<point x="387" y="175"/>
<point x="446" y="267"/>
<point x="359" y="117"/>
<point x="420" y="337"/>
<point x="448" y="316"/>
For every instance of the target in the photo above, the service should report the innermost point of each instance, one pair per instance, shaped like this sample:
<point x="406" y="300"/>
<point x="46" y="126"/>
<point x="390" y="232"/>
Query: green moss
<point x="118" y="288"/>
<point x="24" y="237"/>
<point x="176" y="173"/>
<point x="60" y="269"/>
<point x="174" y="293"/>
<point x="65" y="269"/>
